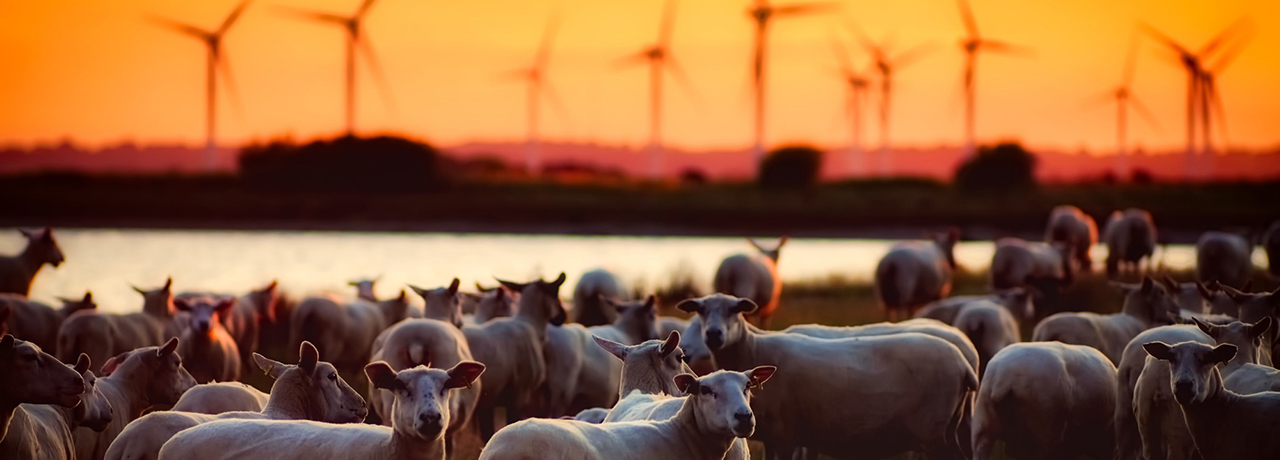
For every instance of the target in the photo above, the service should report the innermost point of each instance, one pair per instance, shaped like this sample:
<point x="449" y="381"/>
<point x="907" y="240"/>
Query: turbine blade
<point x="1130" y="60"/>
<point x="1164" y="39"/>
<point x="548" y="38"/>
<point x="632" y="60"/>
<point x="1006" y="48"/>
<point x="375" y="68"/>
<point x="1219" y="111"/>
<point x="313" y="15"/>
<point x="231" y="18"/>
<point x="1230" y="54"/>
<point x="553" y="97"/>
<point x="181" y="28"/>
<point x="966" y="15"/>
<point x="682" y="79"/>
<point x="233" y="90"/>
<point x="1146" y="113"/>
<point x="1222" y="37"/>
<point x="913" y="55"/>
<point x="842" y="54"/>
<point x="364" y="8"/>
<point x="668" y="23"/>
<point x="807" y="8"/>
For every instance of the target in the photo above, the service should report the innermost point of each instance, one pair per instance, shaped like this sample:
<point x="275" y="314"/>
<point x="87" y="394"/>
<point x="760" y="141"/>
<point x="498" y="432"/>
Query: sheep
<point x="488" y="304"/>
<point x="715" y="412"/>
<point x="45" y="405"/>
<point x="594" y="285"/>
<point x="634" y="321"/>
<point x="990" y="327"/>
<point x="910" y="388"/>
<point x="696" y="354"/>
<point x="16" y="272"/>
<point x="1271" y="245"/>
<point x="1038" y="266"/>
<point x="220" y="397"/>
<point x="207" y="348"/>
<point x="344" y="331"/>
<point x="753" y="277"/>
<point x="914" y="273"/>
<point x="1046" y="400"/>
<point x="512" y="348"/>
<point x="310" y="390"/>
<point x="417" y="432"/>
<point x="441" y="303"/>
<point x="133" y="382"/>
<point x="667" y="324"/>
<point x="427" y="342"/>
<point x="103" y="335"/>
<point x="1252" y="307"/>
<point x="592" y="415"/>
<point x="1249" y="372"/>
<point x="245" y="319"/>
<point x="1018" y="301"/>
<point x="1223" y="257"/>
<point x="1073" y="228"/>
<point x="1224" y="424"/>
<point x="36" y="322"/>
<point x="1128" y="371"/>
<point x="931" y="327"/>
<point x="1146" y="306"/>
<point x="364" y="288"/>
<point x="1130" y="236"/>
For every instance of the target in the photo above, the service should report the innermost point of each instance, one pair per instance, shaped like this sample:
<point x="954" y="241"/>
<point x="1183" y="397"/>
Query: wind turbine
<point x="857" y="84"/>
<point x="1124" y="97"/>
<point x="216" y="61"/>
<point x="355" y="39"/>
<point x="762" y="13"/>
<point x="1210" y="100"/>
<point x="658" y="56"/>
<point x="971" y="45"/>
<point x="536" y="77"/>
<point x="885" y="65"/>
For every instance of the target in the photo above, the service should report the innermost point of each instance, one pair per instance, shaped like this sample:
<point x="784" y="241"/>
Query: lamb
<point x="16" y="272"/>
<point x="931" y="327"/>
<point x="990" y="327"/>
<point x="512" y="348"/>
<point x="1146" y="306"/>
<point x="715" y="412"/>
<point x="1223" y="257"/>
<point x="1224" y="424"/>
<point x="753" y="277"/>
<point x="427" y="342"/>
<point x="245" y="319"/>
<point x="915" y="273"/>
<point x="36" y="322"/>
<point x="221" y="397"/>
<point x="1129" y="370"/>
<point x="910" y="387"/>
<point x="442" y="304"/>
<point x="207" y="348"/>
<point x="30" y="379"/>
<point x="1130" y="236"/>
<point x="311" y="390"/>
<point x="588" y="310"/>
<point x="1072" y="228"/>
<point x="344" y="331"/>
<point x="133" y="382"/>
<point x="1021" y="263"/>
<point x="103" y="335"/>
<point x="417" y="432"/>
<point x="581" y="375"/>
<point x="1271" y="245"/>
<point x="1046" y="400"/>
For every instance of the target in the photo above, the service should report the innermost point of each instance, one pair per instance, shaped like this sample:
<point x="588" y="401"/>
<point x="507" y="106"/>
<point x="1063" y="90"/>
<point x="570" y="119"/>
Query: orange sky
<point x="98" y="72"/>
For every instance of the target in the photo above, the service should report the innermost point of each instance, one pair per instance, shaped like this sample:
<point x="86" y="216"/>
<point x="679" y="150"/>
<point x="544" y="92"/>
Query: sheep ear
<point x="690" y="305"/>
<point x="1158" y="350"/>
<point x="1206" y="327"/>
<point x="651" y="302"/>
<point x="420" y="291"/>
<point x="463" y="374"/>
<point x="403" y="297"/>
<point x="308" y="357"/>
<point x="27" y="233"/>
<point x="168" y="283"/>
<point x="517" y="287"/>
<point x="112" y="363"/>
<point x="756" y="377"/>
<point x="269" y="366"/>
<point x="554" y="286"/>
<point x="1205" y="293"/>
<point x="453" y="287"/>
<point x="168" y="348"/>
<point x="745" y="306"/>
<point x="139" y="290"/>
<point x="1222" y="353"/>
<point x="382" y="376"/>
<point x="181" y="304"/>
<point x="1171" y="283"/>
<point x="614" y="348"/>
<point x="687" y="383"/>
<point x="1236" y="295"/>
<point x="480" y="288"/>
<point x="224" y="305"/>
<point x="1261" y="327"/>
<point x="669" y="345"/>
<point x="82" y="363"/>
<point x="1147" y="285"/>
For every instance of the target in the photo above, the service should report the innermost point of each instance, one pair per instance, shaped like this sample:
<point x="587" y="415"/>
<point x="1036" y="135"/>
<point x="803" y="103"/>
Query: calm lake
<point x="107" y="262"/>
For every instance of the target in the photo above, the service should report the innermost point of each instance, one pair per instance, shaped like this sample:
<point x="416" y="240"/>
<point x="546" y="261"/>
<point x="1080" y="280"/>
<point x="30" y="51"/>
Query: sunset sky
<point x="99" y="72"/>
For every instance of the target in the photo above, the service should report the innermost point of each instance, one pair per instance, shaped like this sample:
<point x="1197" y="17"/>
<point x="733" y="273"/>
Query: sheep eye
<point x="706" y="391"/>
<point x="333" y="377"/>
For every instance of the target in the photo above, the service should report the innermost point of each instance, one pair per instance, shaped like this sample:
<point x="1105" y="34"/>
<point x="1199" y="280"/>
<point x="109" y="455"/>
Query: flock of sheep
<point x="1184" y="370"/>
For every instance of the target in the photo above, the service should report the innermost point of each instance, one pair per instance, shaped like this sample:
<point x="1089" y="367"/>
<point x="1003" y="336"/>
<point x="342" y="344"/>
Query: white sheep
<point x="716" y="411"/>
<point x="1145" y="306"/>
<point x="1246" y="373"/>
<point x="210" y="353"/>
<point x="588" y="309"/>
<point x="581" y="375"/>
<point x="1018" y="301"/>
<point x="1046" y="400"/>
<point x="1225" y="425"/>
<point x="103" y="335"/>
<point x="442" y="304"/>
<point x="754" y="277"/>
<point x="344" y="331"/>
<point x="990" y="327"/>
<point x="1075" y="229"/>
<point x="365" y="288"/>
<point x="1128" y="371"/>
<point x="36" y="322"/>
<point x="16" y="272"/>
<point x="37" y="397"/>
<point x="216" y="398"/>
<point x="1033" y="265"/>
<point x="1223" y="257"/>
<point x="490" y="303"/>
<point x="910" y="388"/>
<point x="311" y="390"/>
<point x="952" y="335"/>
<point x="914" y="273"/>
<point x="1130" y="236"/>
<point x="244" y="321"/>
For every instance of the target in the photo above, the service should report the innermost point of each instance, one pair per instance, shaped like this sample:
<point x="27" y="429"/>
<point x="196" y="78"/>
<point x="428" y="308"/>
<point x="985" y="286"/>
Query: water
<point x="108" y="262"/>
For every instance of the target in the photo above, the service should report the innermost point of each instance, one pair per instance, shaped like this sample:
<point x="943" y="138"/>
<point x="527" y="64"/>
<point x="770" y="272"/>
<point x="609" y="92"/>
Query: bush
<point x="791" y="167"/>
<point x="345" y="164"/>
<point x="1005" y="167"/>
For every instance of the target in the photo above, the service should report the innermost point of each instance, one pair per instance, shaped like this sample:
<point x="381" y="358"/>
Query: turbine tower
<point x="886" y="65"/>
<point x="215" y="61"/>
<point x="1124" y="97"/>
<point x="659" y="56"/>
<point x="536" y="77"/>
<point x="972" y="45"/>
<point x="857" y="84"/>
<point x="762" y="13"/>
<point x="357" y="42"/>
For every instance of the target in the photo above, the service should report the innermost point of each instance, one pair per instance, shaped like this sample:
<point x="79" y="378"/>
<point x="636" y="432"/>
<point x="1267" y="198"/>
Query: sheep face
<point x="722" y="320"/>
<point x="637" y="319"/>
<point x="442" y="303"/>
<point x="161" y="296"/>
<point x="204" y="312"/>
<point x="328" y="397"/>
<point x="1246" y="337"/>
<point x="1192" y="368"/>
<point x="94" y="411"/>
<point x="1153" y="301"/>
<point x="364" y="289"/>
<point x="540" y="299"/>
<point x="421" y="406"/>
<point x="166" y="379"/>
<point x="29" y="375"/>
<point x="721" y="400"/>
<point x="660" y="360"/>
<point x="1254" y="306"/>
<point x="494" y="303"/>
<point x="42" y="242"/>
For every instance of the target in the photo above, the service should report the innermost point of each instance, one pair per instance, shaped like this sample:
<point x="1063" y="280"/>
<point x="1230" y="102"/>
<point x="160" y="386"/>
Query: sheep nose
<point x="715" y="338"/>
<point x="743" y="417"/>
<point x="1183" y="391"/>
<point x="429" y="419"/>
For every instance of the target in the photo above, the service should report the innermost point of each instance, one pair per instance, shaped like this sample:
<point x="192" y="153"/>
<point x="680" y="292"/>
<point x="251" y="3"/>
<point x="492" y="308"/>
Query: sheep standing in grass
<point x="442" y="304"/>
<point x="1071" y="227"/>
<point x="915" y="273"/>
<point x="488" y="304"/>
<point x="207" y="348"/>
<point x="36" y="322"/>
<point x="1132" y="363"/>
<point x="425" y="342"/>
<point x="132" y="383"/>
<point x="1130" y="236"/>
<point x="753" y="277"/>
<point x="715" y="412"/>
<point x="1046" y="400"/>
<point x="344" y="331"/>
<point x="421" y="414"/>
<point x="990" y="327"/>
<point x="588" y="308"/>
<point x="311" y="390"/>
<point x="16" y="272"/>
<point x="103" y="335"/>
<point x="1145" y="306"/>
<point x="1031" y="265"/>
<point x="29" y="379"/>
<point x="935" y="328"/>
<point x="1223" y="257"/>
<point x="1225" y="425"/>
<point x="245" y="319"/>
<point x="910" y="388"/>
<point x="220" y="397"/>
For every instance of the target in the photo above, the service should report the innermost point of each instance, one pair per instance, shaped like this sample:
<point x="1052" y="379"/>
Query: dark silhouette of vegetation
<point x="693" y="176"/>
<point x="791" y="167"/>
<point x="1143" y="176"/>
<point x="346" y="164"/>
<point x="1004" y="168"/>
